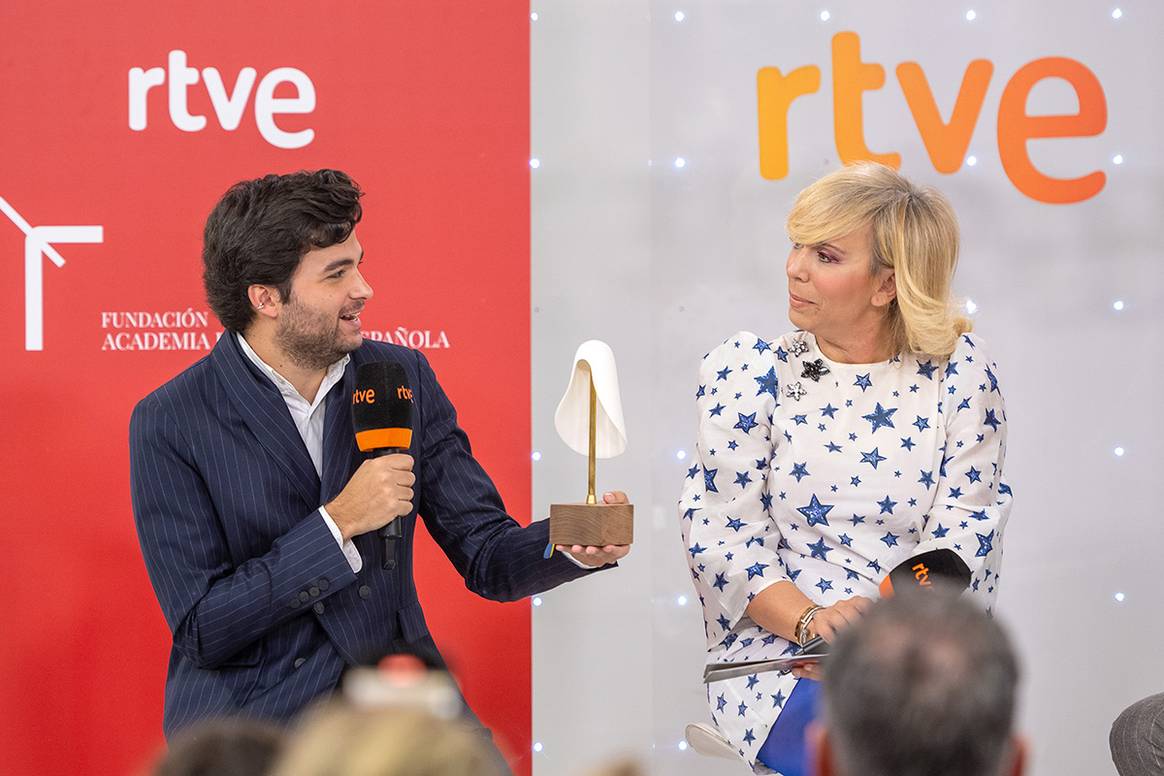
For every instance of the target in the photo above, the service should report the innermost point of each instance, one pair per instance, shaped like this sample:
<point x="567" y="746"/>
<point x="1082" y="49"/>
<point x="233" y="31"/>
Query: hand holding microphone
<point x="379" y="492"/>
<point x="381" y="489"/>
<point x="927" y="573"/>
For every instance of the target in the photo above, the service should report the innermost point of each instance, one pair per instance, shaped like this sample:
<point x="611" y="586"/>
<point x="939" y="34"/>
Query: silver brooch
<point x="795" y="391"/>
<point x="814" y="370"/>
<point x="798" y="347"/>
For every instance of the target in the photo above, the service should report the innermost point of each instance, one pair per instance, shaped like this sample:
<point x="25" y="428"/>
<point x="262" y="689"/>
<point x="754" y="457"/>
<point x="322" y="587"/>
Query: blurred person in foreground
<point x="1137" y="738"/>
<point x="222" y="747"/>
<point x="923" y="685"/>
<point x="343" y="740"/>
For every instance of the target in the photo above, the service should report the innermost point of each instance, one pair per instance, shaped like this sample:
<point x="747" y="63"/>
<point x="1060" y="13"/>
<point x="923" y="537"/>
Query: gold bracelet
<point x="801" y="632"/>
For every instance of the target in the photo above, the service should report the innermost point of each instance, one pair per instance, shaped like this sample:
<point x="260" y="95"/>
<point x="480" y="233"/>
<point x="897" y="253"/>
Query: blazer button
<point x="318" y="607"/>
<point x="390" y="564"/>
<point x="323" y="583"/>
<point x="294" y="603"/>
<point x="303" y="596"/>
<point x="365" y="592"/>
<point x="300" y="661"/>
<point x="314" y="592"/>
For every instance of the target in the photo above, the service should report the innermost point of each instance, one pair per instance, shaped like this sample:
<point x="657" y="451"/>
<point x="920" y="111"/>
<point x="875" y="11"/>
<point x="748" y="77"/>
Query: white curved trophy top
<point x="572" y="418"/>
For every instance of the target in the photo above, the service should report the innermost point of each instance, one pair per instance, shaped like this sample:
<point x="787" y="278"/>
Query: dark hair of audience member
<point x="923" y="684"/>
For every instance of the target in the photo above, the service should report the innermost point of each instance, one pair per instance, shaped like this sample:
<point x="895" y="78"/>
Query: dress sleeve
<point x="972" y="502"/>
<point x="730" y="536"/>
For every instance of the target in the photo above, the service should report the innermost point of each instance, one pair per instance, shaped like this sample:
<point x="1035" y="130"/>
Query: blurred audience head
<point x="622" y="767"/>
<point x="222" y="747"/>
<point x="339" y="740"/>
<point x="924" y="684"/>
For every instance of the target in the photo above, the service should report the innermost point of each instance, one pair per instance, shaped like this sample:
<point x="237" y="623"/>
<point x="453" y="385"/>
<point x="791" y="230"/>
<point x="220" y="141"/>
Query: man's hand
<point x="593" y="556"/>
<point x="379" y="492"/>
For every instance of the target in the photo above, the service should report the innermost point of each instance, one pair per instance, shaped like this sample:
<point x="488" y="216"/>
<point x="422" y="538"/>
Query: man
<point x="922" y="685"/>
<point x="1137" y="738"/>
<point x="258" y="516"/>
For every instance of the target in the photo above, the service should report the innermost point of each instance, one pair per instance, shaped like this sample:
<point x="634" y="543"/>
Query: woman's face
<point x="830" y="290"/>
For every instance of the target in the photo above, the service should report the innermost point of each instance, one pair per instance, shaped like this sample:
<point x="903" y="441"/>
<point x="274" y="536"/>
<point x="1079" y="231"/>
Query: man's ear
<point x="820" y="756"/>
<point x="264" y="300"/>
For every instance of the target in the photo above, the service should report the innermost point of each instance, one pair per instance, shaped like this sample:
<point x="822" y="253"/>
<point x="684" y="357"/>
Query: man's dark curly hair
<point x="260" y="229"/>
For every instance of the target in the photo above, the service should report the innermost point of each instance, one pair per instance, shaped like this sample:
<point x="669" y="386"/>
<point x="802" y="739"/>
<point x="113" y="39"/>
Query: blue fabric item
<point x="785" y="750"/>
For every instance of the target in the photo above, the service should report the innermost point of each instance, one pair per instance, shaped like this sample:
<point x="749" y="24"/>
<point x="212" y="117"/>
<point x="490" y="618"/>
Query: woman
<point x="828" y="456"/>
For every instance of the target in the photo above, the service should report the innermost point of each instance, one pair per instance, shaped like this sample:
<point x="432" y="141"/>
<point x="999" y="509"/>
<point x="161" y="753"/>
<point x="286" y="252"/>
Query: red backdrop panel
<point x="427" y="106"/>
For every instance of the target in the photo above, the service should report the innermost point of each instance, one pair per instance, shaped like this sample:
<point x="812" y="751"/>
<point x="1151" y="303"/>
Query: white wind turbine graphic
<point x="38" y="242"/>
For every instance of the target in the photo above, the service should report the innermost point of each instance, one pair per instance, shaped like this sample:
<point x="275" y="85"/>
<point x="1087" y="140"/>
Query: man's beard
<point x="309" y="338"/>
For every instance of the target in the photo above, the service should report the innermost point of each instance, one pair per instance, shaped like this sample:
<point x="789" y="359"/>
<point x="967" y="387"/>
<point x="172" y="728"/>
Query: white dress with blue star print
<point x="829" y="475"/>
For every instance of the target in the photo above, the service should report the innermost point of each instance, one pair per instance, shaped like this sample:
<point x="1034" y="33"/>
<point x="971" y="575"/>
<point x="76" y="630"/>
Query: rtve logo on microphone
<point x="38" y="244"/>
<point x="365" y="396"/>
<point x="368" y="395"/>
<point x="229" y="107"/>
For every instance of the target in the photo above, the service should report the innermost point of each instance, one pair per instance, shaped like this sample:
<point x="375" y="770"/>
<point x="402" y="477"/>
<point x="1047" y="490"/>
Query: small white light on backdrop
<point x="681" y="455"/>
<point x="1119" y="597"/>
<point x="971" y="15"/>
<point x="971" y="160"/>
<point x="535" y="163"/>
<point x="825" y="16"/>
<point x="1117" y="13"/>
<point x="680" y="16"/>
<point x="1119" y="451"/>
<point x="533" y="16"/>
<point x="680" y="162"/>
<point x="1117" y="305"/>
<point x="537" y="600"/>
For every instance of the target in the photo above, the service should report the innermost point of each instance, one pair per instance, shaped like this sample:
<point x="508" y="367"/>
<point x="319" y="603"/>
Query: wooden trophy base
<point x="592" y="524"/>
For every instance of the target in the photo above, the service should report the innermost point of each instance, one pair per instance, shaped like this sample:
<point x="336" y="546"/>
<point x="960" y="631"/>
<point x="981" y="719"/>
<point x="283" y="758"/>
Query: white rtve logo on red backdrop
<point x="229" y="108"/>
<point x="38" y="243"/>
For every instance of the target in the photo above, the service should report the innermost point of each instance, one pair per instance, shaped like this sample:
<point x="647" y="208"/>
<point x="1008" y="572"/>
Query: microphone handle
<point x="395" y="529"/>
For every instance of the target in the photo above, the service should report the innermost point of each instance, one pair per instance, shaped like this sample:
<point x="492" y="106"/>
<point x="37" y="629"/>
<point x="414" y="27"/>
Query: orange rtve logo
<point x="921" y="573"/>
<point x="366" y="396"/>
<point x="945" y="141"/>
<point x="403" y="393"/>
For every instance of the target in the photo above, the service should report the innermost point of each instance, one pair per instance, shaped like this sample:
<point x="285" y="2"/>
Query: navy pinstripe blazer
<point x="264" y="609"/>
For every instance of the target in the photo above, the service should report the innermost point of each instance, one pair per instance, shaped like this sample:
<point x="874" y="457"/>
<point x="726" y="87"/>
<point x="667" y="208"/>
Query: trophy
<point x="589" y="420"/>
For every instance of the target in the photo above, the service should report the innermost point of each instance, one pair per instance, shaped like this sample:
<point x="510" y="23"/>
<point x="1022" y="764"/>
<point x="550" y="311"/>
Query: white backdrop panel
<point x="664" y="261"/>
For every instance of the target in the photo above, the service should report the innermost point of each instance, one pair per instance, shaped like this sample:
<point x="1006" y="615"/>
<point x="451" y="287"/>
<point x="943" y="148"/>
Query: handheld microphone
<point x="921" y="571"/>
<point x="918" y="573"/>
<point x="382" y="418"/>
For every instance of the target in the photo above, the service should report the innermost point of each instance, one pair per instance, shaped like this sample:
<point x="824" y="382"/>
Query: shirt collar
<point x="335" y="373"/>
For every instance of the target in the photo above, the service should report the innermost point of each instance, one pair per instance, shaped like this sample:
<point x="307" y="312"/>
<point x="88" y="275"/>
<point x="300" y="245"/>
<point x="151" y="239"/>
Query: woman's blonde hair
<point x="915" y="234"/>
<point x="337" y="740"/>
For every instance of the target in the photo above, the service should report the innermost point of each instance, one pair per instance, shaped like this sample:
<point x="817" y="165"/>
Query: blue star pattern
<point x="942" y="486"/>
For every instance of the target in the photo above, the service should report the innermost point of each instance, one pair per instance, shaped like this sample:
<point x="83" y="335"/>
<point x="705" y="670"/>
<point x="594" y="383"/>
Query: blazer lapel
<point x="263" y="410"/>
<point x="339" y="437"/>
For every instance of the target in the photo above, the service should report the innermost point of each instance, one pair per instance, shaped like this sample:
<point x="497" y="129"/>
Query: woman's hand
<point x="829" y="622"/>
